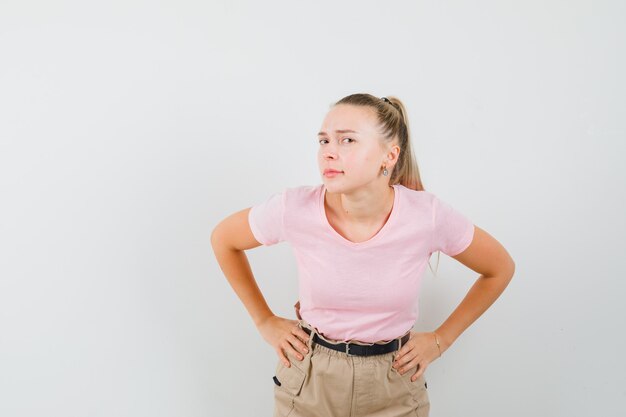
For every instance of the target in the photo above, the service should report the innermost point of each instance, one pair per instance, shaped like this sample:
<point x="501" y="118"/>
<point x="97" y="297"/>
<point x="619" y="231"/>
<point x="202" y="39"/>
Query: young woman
<point x="362" y="240"/>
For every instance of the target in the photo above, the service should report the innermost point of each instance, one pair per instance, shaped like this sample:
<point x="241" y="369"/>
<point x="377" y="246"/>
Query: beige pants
<point x="330" y="383"/>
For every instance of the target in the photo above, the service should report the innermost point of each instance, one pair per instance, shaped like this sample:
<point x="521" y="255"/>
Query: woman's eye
<point x="324" y="140"/>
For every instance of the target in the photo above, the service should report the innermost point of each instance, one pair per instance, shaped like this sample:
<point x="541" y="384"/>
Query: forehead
<point x="348" y="117"/>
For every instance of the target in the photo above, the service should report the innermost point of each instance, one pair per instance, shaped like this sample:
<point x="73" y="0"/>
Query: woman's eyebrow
<point x="338" y="131"/>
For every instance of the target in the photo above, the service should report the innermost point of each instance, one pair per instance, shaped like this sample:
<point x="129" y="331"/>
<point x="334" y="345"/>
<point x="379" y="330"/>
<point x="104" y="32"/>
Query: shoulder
<point x="419" y="205"/>
<point x="416" y="197"/>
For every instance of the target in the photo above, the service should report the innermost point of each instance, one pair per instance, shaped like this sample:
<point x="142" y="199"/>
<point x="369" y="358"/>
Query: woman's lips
<point x="331" y="173"/>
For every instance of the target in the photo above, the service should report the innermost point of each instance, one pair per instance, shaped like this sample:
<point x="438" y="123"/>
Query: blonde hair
<point x="392" y="117"/>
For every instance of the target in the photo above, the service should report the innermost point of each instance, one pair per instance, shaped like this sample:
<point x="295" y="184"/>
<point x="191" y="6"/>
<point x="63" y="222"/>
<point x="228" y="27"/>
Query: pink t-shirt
<point x="366" y="291"/>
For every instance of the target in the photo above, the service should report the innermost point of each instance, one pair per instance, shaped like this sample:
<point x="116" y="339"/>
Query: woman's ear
<point x="393" y="155"/>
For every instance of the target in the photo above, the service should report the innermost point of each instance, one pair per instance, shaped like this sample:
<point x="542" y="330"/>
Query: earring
<point x="385" y="172"/>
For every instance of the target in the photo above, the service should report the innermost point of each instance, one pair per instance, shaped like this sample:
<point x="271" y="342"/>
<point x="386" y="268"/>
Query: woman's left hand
<point x="421" y="349"/>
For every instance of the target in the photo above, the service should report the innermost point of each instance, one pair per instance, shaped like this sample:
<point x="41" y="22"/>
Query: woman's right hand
<point x="285" y="335"/>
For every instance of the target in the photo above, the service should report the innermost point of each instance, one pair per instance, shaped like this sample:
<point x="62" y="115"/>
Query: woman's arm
<point x="229" y="239"/>
<point x="489" y="258"/>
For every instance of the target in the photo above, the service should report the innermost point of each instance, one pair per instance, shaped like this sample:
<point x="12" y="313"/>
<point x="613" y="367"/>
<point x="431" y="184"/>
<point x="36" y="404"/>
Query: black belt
<point x="353" y="349"/>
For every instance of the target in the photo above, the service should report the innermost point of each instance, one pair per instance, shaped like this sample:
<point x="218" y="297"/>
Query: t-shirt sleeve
<point x="453" y="231"/>
<point x="266" y="219"/>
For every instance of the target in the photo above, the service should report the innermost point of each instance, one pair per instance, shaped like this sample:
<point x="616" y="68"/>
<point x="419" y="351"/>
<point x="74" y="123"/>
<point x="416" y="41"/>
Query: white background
<point x="129" y="129"/>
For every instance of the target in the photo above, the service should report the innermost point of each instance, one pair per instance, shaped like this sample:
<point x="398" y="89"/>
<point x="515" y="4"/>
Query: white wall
<point x="128" y="129"/>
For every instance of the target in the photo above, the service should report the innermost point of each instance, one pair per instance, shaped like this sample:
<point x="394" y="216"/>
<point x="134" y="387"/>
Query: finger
<point x="402" y="368"/>
<point x="283" y="358"/>
<point x="293" y="352"/>
<point x="398" y="362"/>
<point x="415" y="361"/>
<point x="302" y="335"/>
<point x="290" y="350"/>
<point x="421" y="367"/>
<point x="404" y="357"/>
<point x="406" y="348"/>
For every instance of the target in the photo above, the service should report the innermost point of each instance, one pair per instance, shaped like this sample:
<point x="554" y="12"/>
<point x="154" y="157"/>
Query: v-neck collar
<point x="373" y="239"/>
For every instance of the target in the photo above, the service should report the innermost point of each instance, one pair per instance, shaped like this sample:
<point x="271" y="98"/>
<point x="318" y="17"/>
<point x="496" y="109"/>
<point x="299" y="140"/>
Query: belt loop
<point x="348" y="349"/>
<point x="400" y="341"/>
<point x="311" y="330"/>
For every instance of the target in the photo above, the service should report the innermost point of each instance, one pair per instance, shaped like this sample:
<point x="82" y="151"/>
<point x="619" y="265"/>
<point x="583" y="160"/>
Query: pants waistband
<point x="355" y="349"/>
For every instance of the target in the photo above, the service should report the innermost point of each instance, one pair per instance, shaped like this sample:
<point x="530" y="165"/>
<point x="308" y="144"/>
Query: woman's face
<point x="350" y="142"/>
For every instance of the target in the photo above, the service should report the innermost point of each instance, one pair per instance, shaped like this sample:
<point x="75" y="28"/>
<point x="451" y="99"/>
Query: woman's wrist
<point x="444" y="341"/>
<point x="259" y="321"/>
<point x="438" y="343"/>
